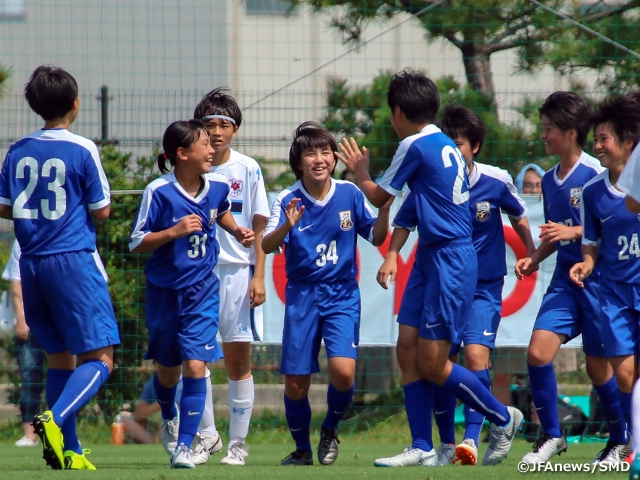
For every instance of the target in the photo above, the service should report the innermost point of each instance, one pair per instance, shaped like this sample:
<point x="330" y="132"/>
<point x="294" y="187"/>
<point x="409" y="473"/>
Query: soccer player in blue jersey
<point x="318" y="220"/>
<point x="177" y="221"/>
<point x="52" y="185"/>
<point x="567" y="310"/>
<point x="610" y="240"/>
<point x="491" y="190"/>
<point x="432" y="166"/>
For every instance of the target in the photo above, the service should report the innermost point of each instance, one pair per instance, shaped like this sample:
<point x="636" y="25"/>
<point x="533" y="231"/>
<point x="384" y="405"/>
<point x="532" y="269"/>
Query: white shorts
<point x="237" y="321"/>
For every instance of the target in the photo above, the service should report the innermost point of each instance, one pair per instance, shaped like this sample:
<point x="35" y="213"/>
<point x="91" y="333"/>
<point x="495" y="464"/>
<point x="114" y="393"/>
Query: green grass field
<point x="150" y="462"/>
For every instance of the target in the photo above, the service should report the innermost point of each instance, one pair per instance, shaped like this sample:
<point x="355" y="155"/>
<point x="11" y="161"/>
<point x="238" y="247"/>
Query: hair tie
<point x="219" y="117"/>
<point x="164" y="154"/>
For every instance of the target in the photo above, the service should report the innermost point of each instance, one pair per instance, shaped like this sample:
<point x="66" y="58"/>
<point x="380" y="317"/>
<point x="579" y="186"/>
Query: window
<point x="268" y="7"/>
<point x="12" y="9"/>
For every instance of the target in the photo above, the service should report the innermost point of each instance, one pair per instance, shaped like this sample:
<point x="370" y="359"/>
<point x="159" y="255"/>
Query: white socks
<point x="241" y="397"/>
<point x="207" y="426"/>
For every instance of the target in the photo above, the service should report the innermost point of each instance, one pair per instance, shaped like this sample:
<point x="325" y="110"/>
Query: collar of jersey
<point x="475" y="175"/>
<point x="607" y="181"/>
<point x="573" y="169"/>
<point x="429" y="130"/>
<point x="203" y="193"/>
<point x="325" y="200"/>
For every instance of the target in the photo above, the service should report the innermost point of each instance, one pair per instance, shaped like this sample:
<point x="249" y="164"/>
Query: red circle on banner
<point x="524" y="288"/>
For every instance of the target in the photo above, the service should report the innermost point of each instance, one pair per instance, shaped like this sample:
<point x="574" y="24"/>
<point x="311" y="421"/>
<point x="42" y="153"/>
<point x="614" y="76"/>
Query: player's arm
<point x="6" y="211"/>
<point x="557" y="232"/>
<point x="15" y="291"/>
<point x="274" y="239"/>
<point x="528" y="265"/>
<point x="152" y="240"/>
<point x="257" y="291"/>
<point x="101" y="214"/>
<point x="633" y="205"/>
<point x="381" y="227"/>
<point x="244" y="236"/>
<point x="581" y="270"/>
<point x="523" y="230"/>
<point x="144" y="410"/>
<point x="389" y="267"/>
<point x="357" y="163"/>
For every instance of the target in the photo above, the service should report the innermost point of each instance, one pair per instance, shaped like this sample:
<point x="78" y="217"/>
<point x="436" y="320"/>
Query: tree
<point x="5" y="73"/>
<point x="480" y="28"/>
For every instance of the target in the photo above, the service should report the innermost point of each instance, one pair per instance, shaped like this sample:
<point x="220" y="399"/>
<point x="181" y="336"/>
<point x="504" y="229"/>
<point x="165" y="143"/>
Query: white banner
<point x="378" y="326"/>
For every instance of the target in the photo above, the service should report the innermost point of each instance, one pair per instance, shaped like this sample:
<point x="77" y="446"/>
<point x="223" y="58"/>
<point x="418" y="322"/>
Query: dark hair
<point x="415" y="94"/>
<point x="567" y="110"/>
<point x="51" y="92"/>
<point x="457" y="121"/>
<point x="217" y="102"/>
<point x="309" y="136"/>
<point x="180" y="134"/>
<point x="622" y="112"/>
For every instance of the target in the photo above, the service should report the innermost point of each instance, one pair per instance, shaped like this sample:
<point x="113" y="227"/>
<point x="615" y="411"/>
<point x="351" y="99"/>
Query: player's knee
<point x="406" y="353"/>
<point x="537" y="355"/>
<point x="476" y="359"/>
<point x="296" y="387"/>
<point x="432" y="372"/>
<point x="237" y="369"/>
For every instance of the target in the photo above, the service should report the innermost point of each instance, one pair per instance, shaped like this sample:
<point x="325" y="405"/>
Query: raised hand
<point x="293" y="213"/>
<point x="351" y="155"/>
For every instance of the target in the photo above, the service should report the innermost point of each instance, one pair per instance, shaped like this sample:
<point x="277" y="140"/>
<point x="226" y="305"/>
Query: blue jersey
<point x="491" y="191"/>
<point x="433" y="167"/>
<point x="561" y="202"/>
<point x="52" y="178"/>
<point x="187" y="260"/>
<point x="607" y="222"/>
<point x="321" y="247"/>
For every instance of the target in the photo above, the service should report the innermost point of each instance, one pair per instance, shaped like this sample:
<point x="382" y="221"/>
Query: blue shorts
<point x="315" y="311"/>
<point x="183" y="323"/>
<point x="66" y="302"/>
<point x="619" y="317"/>
<point x="570" y="310"/>
<point x="484" y="316"/>
<point x="447" y="289"/>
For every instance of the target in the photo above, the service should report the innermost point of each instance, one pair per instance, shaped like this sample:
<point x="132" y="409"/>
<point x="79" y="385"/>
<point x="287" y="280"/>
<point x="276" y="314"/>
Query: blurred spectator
<point x="529" y="180"/>
<point x="29" y="354"/>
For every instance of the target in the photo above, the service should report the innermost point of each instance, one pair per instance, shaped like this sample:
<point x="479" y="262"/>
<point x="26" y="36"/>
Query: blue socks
<point x="418" y="400"/>
<point x="192" y="403"/>
<point x="545" y="395"/>
<point x="444" y="410"/>
<point x="56" y="381"/>
<point x="166" y="399"/>
<point x="466" y="386"/>
<point x="337" y="404"/>
<point x="298" y="414"/>
<point x="81" y="386"/>
<point x="625" y="405"/>
<point x="474" y="419"/>
<point x="612" y="410"/>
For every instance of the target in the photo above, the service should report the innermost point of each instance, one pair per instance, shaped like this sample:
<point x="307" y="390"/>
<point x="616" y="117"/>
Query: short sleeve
<point x="12" y="270"/>
<point x="5" y="189"/>
<point x="591" y="225"/>
<point x="148" y="394"/>
<point x="630" y="176"/>
<point x="404" y="165"/>
<point x="259" y="201"/>
<point x="144" y="220"/>
<point x="97" y="194"/>
<point x="365" y="216"/>
<point x="277" y="217"/>
<point x="511" y="203"/>
<point x="407" y="216"/>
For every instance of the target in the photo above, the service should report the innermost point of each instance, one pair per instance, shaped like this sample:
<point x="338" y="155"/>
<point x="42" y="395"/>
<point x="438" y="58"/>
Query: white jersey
<point x="248" y="197"/>
<point x="630" y="177"/>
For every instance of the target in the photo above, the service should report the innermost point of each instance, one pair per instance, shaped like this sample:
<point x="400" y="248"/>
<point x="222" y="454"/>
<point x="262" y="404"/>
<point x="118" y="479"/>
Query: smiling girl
<point x="176" y="221"/>
<point x="318" y="220"/>
<point x="615" y="248"/>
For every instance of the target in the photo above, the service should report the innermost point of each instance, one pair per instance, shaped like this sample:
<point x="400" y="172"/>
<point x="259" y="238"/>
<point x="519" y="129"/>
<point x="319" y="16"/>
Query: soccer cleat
<point x="299" y="457"/>
<point x="410" y="457"/>
<point x="466" y="452"/>
<point x="170" y="435"/>
<point x="51" y="438"/>
<point x="446" y="453"/>
<point x="77" y="461"/>
<point x="328" y="446"/>
<point x="26" y="442"/>
<point x="545" y="448"/>
<point x="236" y="455"/>
<point x="613" y="453"/>
<point x="501" y="438"/>
<point x="181" y="458"/>
<point x="206" y="447"/>
<point x="634" y="471"/>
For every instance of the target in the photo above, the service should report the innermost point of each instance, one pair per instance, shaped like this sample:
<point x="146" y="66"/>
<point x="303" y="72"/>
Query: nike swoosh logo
<point x="296" y="429"/>
<point x="207" y="347"/>
<point x="488" y="334"/>
<point x="176" y="220"/>
<point x="605" y="219"/>
<point x="432" y="326"/>
<point x="539" y="408"/>
<point x="440" y="413"/>
<point x="190" y="413"/>
<point x="302" y="229"/>
<point x="615" y="421"/>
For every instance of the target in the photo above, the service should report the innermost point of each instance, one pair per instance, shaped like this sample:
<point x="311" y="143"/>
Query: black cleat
<point x="299" y="457"/>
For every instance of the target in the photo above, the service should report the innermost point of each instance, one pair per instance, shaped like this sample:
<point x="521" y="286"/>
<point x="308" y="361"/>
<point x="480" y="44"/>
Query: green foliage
<point x="126" y="277"/>
<point x="362" y="111"/>
<point x="5" y="73"/>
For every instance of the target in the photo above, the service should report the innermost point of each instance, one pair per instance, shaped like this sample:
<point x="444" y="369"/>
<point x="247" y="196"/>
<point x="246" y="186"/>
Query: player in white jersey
<point x="241" y="270"/>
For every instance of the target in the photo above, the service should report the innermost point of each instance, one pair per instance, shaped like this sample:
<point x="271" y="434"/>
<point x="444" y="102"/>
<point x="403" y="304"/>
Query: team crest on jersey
<point x="235" y="187"/>
<point x="576" y="193"/>
<point x="213" y="213"/>
<point x="345" y="220"/>
<point x="483" y="211"/>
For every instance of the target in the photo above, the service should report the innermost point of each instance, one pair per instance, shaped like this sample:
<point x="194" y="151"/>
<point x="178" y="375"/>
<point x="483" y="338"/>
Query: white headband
<point x="220" y="117"/>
